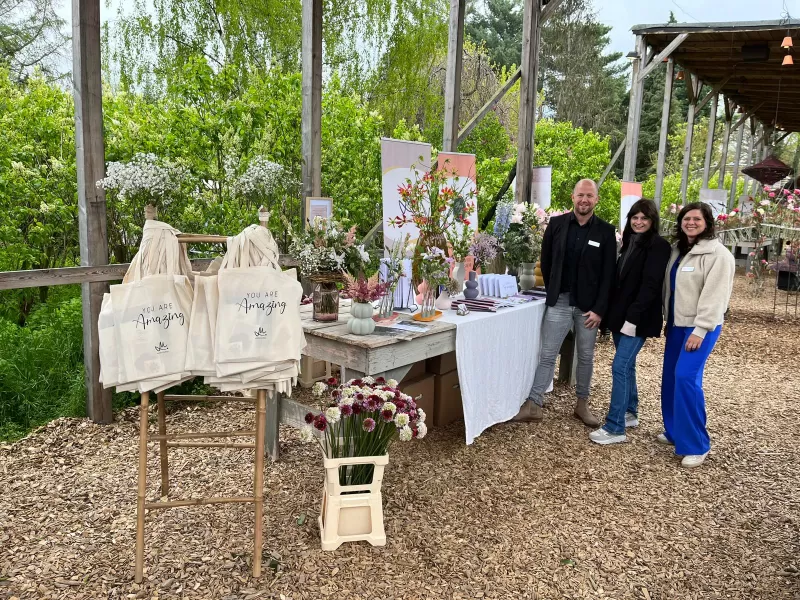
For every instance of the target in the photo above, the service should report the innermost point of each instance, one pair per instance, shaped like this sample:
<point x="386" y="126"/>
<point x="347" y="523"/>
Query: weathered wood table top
<point x="387" y="351"/>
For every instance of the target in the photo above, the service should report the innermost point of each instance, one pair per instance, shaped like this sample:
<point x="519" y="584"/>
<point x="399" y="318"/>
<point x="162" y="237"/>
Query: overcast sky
<point x="624" y="14"/>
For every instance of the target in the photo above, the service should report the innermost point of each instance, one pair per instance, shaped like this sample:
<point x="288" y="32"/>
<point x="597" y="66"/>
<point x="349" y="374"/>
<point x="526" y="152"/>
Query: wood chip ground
<point x="529" y="511"/>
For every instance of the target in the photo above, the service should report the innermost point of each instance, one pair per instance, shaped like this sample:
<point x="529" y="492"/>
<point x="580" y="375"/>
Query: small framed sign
<point x="318" y="207"/>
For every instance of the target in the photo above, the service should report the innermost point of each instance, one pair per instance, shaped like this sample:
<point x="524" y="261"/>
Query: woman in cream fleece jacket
<point x="697" y="289"/>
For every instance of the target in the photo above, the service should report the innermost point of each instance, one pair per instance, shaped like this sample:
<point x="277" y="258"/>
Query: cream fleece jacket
<point x="703" y="286"/>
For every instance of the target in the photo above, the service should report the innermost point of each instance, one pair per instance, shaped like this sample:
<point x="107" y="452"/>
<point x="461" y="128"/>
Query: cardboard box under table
<point x="422" y="388"/>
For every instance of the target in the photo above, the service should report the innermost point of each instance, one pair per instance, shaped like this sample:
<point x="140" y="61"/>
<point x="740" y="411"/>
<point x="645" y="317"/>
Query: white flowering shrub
<point x="261" y="178"/>
<point x="145" y="177"/>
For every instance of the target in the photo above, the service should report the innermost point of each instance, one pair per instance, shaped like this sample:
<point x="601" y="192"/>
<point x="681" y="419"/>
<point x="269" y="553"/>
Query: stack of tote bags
<point x="239" y="327"/>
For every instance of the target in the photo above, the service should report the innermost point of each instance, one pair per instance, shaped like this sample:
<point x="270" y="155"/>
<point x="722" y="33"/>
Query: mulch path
<point x="528" y="511"/>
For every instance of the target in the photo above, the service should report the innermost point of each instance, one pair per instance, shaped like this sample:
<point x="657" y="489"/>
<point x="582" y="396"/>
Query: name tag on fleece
<point x="593" y="243"/>
<point x="687" y="269"/>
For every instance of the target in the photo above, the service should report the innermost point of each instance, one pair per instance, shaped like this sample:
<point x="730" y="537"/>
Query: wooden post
<point x="271" y="426"/>
<point x="723" y="161"/>
<point x="749" y="156"/>
<point x="141" y="486"/>
<point x="796" y="162"/>
<point x="611" y="164"/>
<point x="664" y="132"/>
<point x="91" y="200"/>
<point x="311" y="127"/>
<point x="452" y="88"/>
<point x="735" y="175"/>
<point x="755" y="156"/>
<point x="634" y="112"/>
<point x="693" y="88"/>
<point x="712" y="125"/>
<point x="531" y="33"/>
<point x="162" y="444"/>
<point x="258" y="480"/>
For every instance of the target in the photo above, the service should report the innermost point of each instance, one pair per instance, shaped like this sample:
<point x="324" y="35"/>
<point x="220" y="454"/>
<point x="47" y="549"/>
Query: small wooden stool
<point x="175" y="440"/>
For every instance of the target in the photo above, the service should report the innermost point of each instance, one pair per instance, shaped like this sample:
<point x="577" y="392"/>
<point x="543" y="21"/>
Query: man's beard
<point x="583" y="210"/>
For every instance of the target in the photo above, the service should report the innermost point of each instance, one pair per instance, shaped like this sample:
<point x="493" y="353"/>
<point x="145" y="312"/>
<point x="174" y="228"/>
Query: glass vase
<point x="386" y="307"/>
<point x="429" y="301"/>
<point x="326" y="301"/>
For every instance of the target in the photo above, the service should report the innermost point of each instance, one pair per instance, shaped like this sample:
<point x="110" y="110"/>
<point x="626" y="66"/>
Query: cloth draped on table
<point x="497" y="354"/>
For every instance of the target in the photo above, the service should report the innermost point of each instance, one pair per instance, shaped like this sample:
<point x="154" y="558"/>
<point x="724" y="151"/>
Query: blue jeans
<point x="624" y="393"/>
<point x="558" y="320"/>
<point x="683" y="404"/>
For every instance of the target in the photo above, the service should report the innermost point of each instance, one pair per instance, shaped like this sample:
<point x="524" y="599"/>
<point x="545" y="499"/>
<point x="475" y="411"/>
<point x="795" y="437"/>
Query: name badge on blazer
<point x="593" y="243"/>
<point x="687" y="269"/>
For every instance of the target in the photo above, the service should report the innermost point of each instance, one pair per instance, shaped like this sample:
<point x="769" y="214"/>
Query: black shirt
<point x="576" y="239"/>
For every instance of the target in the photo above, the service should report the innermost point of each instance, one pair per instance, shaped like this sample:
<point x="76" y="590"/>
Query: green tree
<point x="31" y="37"/>
<point x="497" y="24"/>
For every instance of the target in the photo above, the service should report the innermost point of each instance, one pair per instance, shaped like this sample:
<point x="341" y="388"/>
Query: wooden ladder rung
<point x="199" y="502"/>
<point x="207" y="445"/>
<point x="201" y="435"/>
<point x="176" y="398"/>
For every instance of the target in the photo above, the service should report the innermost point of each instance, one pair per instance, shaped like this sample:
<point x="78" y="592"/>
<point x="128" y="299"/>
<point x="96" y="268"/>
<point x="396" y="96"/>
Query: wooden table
<point x="389" y="353"/>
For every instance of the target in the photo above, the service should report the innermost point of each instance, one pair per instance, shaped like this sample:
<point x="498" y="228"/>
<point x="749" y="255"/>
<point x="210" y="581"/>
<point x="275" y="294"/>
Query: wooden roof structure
<point x="743" y="60"/>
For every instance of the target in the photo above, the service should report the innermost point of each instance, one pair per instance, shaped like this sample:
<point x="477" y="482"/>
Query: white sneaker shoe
<point x="693" y="460"/>
<point x="601" y="436"/>
<point x="662" y="439"/>
<point x="631" y="420"/>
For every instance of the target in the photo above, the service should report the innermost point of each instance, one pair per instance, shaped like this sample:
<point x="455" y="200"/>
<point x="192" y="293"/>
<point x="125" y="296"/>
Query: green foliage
<point x="574" y="155"/>
<point x="498" y="25"/>
<point x="41" y="368"/>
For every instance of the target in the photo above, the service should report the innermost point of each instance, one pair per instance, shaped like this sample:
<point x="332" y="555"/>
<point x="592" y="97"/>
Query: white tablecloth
<point x="497" y="354"/>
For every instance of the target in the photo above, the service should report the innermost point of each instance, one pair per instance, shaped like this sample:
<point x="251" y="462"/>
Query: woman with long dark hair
<point x="634" y="314"/>
<point x="696" y="293"/>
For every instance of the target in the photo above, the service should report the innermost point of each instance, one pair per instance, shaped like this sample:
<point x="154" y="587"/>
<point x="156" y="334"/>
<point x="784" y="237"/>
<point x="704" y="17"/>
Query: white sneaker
<point x="661" y="438"/>
<point x="693" y="460"/>
<point x="631" y="420"/>
<point x="601" y="436"/>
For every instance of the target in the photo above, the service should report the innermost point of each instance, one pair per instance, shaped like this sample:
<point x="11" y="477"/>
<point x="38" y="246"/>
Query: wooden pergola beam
<point x="634" y="113"/>
<point x="531" y="35"/>
<point x="664" y="131"/>
<point x="723" y="161"/>
<point x="663" y="55"/>
<point x="452" y="86"/>
<point x="88" y="93"/>
<point x="712" y="94"/>
<point x="614" y="160"/>
<point x="735" y="174"/>
<point x="712" y="125"/>
<point x="311" y="126"/>
<point x="692" y="87"/>
<point x="490" y="104"/>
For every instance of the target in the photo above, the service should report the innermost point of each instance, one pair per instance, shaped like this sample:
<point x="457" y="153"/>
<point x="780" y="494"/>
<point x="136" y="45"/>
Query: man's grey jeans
<point x="558" y="320"/>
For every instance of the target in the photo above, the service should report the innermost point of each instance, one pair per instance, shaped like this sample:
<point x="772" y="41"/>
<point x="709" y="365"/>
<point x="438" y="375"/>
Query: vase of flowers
<point x="362" y="293"/>
<point x="435" y="272"/>
<point x="324" y="251"/>
<point x="392" y="271"/>
<point x="522" y="241"/>
<point x="484" y="249"/>
<point x="433" y="203"/>
<point x="357" y="425"/>
<point x="460" y="239"/>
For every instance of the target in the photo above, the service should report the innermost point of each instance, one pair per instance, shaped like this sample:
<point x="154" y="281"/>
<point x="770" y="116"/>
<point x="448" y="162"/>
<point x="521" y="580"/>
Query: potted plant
<point x="359" y="422"/>
<point x="363" y="292"/>
<point x="324" y="252"/>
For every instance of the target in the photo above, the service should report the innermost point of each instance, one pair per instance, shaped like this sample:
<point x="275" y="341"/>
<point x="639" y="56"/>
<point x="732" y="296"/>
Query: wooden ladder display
<point x="179" y="440"/>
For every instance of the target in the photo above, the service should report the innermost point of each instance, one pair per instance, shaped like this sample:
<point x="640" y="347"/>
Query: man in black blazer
<point x="579" y="253"/>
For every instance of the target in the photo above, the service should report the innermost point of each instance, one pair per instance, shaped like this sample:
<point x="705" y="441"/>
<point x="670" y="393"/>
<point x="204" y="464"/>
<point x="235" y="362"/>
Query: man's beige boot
<point x="584" y="414"/>
<point x="529" y="412"/>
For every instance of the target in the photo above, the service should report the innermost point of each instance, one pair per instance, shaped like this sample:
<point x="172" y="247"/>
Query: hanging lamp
<point x="787" y="60"/>
<point x="787" y="42"/>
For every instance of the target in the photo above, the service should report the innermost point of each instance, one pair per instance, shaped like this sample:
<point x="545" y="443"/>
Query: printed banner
<point x="399" y="160"/>
<point x="541" y="186"/>
<point x="631" y="192"/>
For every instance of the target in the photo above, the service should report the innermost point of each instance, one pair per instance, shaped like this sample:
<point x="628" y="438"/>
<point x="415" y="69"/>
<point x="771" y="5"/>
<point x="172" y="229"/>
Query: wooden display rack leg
<point x="257" y="499"/>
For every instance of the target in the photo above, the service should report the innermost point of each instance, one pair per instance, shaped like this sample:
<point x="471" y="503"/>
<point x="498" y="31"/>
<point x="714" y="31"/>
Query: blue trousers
<point x="624" y="393"/>
<point x="683" y="404"/>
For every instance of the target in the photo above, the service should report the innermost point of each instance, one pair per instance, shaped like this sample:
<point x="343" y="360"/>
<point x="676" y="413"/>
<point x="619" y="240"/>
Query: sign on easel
<point x="542" y="186"/>
<point x="318" y="207"/>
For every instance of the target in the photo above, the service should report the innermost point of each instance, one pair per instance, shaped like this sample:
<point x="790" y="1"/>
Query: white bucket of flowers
<point x="361" y="420"/>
